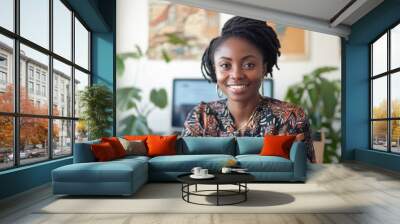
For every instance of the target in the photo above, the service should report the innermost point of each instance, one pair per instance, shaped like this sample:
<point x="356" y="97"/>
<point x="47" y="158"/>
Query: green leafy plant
<point x="96" y="102"/>
<point x="129" y="98"/>
<point x="320" y="98"/>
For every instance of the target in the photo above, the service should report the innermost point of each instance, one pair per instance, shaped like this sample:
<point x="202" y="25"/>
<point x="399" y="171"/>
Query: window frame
<point x="388" y="74"/>
<point x="3" y="74"/>
<point x="3" y="71"/>
<point x="5" y="58"/>
<point x="15" y="71"/>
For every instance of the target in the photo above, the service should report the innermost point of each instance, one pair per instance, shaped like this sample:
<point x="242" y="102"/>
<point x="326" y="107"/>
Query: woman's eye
<point x="225" y="66"/>
<point x="249" y="65"/>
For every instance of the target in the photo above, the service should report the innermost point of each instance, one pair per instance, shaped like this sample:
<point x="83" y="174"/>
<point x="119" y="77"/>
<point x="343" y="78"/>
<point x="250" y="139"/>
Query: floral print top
<point x="271" y="117"/>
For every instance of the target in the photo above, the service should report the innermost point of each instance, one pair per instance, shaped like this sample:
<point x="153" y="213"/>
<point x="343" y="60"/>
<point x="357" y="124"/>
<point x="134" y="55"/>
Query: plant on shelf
<point x="96" y="103"/>
<point x="320" y="98"/>
<point x="130" y="98"/>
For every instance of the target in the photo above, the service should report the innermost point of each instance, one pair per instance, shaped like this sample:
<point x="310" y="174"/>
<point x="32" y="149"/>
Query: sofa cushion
<point x="257" y="163"/>
<point x="207" y="145"/>
<point x="103" y="152"/>
<point x="135" y="137"/>
<point x="161" y="145"/>
<point x="134" y="147"/>
<point x="111" y="171"/>
<point x="276" y="145"/>
<point x="249" y="145"/>
<point x="185" y="163"/>
<point x="131" y="158"/>
<point x="137" y="148"/>
<point x="116" y="145"/>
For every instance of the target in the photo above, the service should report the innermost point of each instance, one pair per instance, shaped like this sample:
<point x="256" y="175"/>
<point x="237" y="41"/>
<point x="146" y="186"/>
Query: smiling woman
<point x="237" y="61"/>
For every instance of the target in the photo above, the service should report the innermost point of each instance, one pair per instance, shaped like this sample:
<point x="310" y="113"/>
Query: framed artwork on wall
<point x="294" y="42"/>
<point x="182" y="32"/>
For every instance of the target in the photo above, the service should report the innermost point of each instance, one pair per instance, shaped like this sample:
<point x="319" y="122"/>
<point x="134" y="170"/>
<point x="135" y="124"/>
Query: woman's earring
<point x="220" y="94"/>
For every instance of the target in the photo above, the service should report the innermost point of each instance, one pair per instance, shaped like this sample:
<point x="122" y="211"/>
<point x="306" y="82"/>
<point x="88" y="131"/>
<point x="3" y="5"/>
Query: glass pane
<point x="62" y="89"/>
<point x="81" y="45"/>
<point x="395" y="136"/>
<point x="33" y="139"/>
<point x="81" y="131"/>
<point x="6" y="142"/>
<point x="395" y="47"/>
<point x="35" y="21"/>
<point x="395" y="94"/>
<point x="34" y="92"/>
<point x="379" y="97"/>
<point x="379" y="55"/>
<point x="7" y="14"/>
<point x="379" y="135"/>
<point x="6" y="74"/>
<point x="81" y="81"/>
<point x="62" y="29"/>
<point x="62" y="138"/>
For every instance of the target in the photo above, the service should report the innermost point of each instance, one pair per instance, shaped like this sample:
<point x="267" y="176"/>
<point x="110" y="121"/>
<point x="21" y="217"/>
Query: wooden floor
<point x="378" y="188"/>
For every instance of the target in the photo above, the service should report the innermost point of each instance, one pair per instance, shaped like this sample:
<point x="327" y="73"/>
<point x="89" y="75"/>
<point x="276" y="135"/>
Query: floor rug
<point x="167" y="198"/>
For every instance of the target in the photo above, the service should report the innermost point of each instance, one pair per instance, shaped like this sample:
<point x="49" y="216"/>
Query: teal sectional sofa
<point x="125" y="176"/>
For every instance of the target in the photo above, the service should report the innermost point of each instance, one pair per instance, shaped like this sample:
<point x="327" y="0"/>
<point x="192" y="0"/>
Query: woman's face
<point x="239" y="68"/>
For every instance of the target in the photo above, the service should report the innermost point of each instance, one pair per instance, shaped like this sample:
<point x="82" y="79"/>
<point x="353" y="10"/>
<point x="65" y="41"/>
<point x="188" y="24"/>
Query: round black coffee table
<point x="238" y="179"/>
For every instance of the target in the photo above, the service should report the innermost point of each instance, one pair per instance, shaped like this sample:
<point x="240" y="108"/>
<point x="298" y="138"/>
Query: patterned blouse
<point x="271" y="116"/>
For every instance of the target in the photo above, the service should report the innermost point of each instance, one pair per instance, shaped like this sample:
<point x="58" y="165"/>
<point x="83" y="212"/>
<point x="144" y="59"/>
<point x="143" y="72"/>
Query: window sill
<point x="26" y="167"/>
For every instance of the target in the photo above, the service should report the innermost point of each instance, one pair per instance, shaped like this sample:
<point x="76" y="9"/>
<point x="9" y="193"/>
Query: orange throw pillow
<point x="161" y="145"/>
<point x="116" y="145"/>
<point x="103" y="151"/>
<point x="135" y="137"/>
<point x="277" y="145"/>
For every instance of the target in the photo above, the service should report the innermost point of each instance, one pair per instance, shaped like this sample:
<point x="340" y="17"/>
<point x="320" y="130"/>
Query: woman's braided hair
<point x="255" y="31"/>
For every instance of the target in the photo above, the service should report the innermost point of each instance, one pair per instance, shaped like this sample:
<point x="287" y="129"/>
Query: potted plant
<point x="96" y="104"/>
<point x="320" y="98"/>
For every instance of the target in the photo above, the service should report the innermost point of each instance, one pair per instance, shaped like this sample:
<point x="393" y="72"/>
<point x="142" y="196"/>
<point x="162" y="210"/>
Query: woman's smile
<point x="237" y="88"/>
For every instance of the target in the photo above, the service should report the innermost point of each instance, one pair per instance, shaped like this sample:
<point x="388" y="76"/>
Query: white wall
<point x="132" y="28"/>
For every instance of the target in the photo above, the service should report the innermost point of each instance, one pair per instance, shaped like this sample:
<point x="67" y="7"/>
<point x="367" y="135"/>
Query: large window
<point x="385" y="94"/>
<point x="44" y="64"/>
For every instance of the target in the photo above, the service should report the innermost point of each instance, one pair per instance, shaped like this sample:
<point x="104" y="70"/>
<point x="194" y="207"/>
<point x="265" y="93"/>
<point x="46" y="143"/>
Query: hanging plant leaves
<point x="159" y="98"/>
<point x="130" y="97"/>
<point x="127" y="95"/>
<point x="141" y="126"/>
<point x="128" y="123"/>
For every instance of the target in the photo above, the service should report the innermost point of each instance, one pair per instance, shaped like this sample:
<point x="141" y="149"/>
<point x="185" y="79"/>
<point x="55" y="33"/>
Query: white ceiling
<point x="319" y="9"/>
<point x="315" y="15"/>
